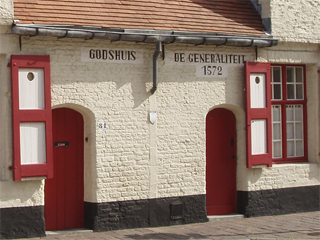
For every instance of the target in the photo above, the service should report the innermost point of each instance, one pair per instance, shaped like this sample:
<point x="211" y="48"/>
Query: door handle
<point x="232" y="142"/>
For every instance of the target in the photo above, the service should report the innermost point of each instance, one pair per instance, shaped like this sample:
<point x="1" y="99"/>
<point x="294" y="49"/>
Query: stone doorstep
<point x="225" y="217"/>
<point x="69" y="231"/>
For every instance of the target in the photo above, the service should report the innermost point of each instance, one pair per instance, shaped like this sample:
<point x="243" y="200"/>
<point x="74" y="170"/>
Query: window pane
<point x="299" y="91"/>
<point x="276" y="113"/>
<point x="276" y="83"/>
<point x="299" y="73"/>
<point x="290" y="74"/>
<point x="290" y="148"/>
<point x="290" y="112"/>
<point x="290" y="130"/>
<point x="298" y="113"/>
<point x="294" y="130"/>
<point x="299" y="149"/>
<point x="276" y="131"/>
<point x="299" y="131"/>
<point x="276" y="74"/>
<point x="290" y="91"/>
<point x="277" y="91"/>
<point x="276" y="150"/>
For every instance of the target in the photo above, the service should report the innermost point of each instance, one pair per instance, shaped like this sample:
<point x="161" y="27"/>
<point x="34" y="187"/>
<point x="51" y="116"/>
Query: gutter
<point x="145" y="36"/>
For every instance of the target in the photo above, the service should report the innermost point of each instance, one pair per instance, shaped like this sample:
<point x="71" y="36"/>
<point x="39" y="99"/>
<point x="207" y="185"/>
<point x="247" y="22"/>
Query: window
<point x="275" y="114"/>
<point x="288" y="113"/>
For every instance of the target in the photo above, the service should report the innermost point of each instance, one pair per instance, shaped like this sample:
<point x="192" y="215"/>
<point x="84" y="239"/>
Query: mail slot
<point x="61" y="144"/>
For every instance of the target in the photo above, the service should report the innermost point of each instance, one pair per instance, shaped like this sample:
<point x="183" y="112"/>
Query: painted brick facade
<point x="131" y="151"/>
<point x="131" y="162"/>
<point x="296" y="21"/>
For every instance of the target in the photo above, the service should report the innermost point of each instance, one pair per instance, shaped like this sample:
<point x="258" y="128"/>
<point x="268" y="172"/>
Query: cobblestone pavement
<point x="291" y="226"/>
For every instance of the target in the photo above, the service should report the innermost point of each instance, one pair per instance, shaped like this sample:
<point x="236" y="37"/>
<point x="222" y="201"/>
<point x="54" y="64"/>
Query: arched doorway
<point x="64" y="201"/>
<point x="221" y="197"/>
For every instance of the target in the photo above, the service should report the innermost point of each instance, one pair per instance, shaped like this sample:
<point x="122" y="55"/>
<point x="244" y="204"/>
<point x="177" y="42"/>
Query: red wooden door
<point x="221" y="162"/>
<point x="64" y="201"/>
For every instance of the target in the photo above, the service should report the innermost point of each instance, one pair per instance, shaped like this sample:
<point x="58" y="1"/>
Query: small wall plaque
<point x="61" y="144"/>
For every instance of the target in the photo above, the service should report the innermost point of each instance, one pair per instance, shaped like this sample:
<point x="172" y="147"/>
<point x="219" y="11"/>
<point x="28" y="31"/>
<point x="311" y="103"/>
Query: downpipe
<point x="155" y="67"/>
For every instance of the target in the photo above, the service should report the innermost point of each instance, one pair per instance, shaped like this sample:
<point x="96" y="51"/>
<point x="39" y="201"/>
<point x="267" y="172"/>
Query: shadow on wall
<point x="114" y="79"/>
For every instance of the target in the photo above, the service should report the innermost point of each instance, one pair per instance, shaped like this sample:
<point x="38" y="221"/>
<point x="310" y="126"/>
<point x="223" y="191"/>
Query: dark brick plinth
<point x="279" y="201"/>
<point x="145" y="213"/>
<point x="22" y="222"/>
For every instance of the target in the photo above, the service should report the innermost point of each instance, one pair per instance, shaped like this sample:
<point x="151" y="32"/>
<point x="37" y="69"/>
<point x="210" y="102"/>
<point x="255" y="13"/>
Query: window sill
<point x="278" y="165"/>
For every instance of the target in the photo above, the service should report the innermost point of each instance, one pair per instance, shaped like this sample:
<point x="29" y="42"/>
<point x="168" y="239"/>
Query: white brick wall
<point x="134" y="159"/>
<point x="283" y="176"/>
<point x="18" y="194"/>
<point x="296" y="20"/>
<point x="6" y="12"/>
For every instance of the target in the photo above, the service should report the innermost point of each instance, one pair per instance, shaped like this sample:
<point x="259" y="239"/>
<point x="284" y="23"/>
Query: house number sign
<point x="102" y="125"/>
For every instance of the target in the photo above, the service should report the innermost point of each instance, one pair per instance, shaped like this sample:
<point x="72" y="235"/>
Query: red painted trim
<point x="305" y="115"/>
<point x="41" y="115"/>
<point x="251" y="113"/>
<point x="34" y="170"/>
<point x="292" y="160"/>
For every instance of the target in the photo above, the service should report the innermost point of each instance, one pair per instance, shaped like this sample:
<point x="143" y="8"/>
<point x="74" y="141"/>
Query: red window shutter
<point x="258" y="114"/>
<point x="32" y="126"/>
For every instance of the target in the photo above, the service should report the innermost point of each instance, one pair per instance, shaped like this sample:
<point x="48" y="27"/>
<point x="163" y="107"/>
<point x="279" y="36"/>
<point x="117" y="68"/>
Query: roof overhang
<point x="145" y="36"/>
